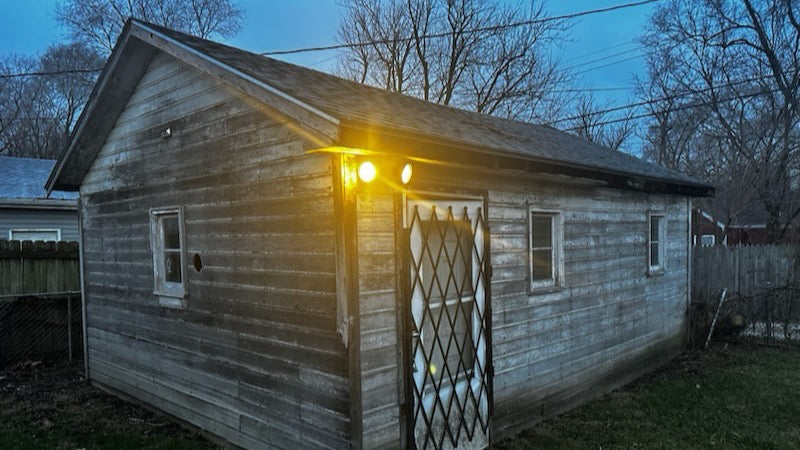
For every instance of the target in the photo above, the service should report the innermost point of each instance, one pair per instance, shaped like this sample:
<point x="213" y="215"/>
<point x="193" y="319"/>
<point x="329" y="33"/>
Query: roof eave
<point x="39" y="203"/>
<point x="363" y="135"/>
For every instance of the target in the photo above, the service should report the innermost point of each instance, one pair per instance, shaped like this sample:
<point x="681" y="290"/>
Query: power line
<point x="613" y="63"/>
<point x="469" y="31"/>
<point x="384" y="41"/>
<point x="603" y="49"/>
<point x="603" y="58"/>
<point x="658" y="99"/>
<point x="47" y="73"/>
<point x="677" y="108"/>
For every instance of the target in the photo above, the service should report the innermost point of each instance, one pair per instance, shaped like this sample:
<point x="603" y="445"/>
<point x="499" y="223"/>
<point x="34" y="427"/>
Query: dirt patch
<point x="56" y="404"/>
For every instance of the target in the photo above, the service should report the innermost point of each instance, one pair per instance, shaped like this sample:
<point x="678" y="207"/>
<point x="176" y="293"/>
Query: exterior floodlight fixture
<point x="405" y="174"/>
<point x="367" y="171"/>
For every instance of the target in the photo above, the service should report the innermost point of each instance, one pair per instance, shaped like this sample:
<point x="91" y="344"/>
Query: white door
<point x="449" y="323"/>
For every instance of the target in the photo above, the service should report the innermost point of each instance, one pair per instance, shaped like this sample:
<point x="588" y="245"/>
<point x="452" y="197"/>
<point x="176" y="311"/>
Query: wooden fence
<point x="34" y="267"/>
<point x="743" y="270"/>
<point x="40" y="301"/>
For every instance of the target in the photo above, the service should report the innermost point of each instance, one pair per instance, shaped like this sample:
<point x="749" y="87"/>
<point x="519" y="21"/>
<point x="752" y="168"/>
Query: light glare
<point x="367" y="172"/>
<point x="405" y="175"/>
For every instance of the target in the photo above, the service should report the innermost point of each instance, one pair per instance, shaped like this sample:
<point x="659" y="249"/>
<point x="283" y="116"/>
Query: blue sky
<point x="28" y="27"/>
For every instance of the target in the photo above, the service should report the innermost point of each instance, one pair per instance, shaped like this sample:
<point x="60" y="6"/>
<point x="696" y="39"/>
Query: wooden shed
<point x="287" y="259"/>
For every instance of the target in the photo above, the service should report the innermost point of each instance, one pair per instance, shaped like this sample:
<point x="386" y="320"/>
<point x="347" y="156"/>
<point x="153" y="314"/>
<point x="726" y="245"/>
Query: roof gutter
<point x="39" y="203"/>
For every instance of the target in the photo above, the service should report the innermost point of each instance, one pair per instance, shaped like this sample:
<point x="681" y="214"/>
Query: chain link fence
<point x="771" y="313"/>
<point x="43" y="327"/>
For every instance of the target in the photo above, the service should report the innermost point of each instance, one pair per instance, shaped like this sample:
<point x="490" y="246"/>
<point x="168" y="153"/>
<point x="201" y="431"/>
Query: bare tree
<point x="731" y="73"/>
<point x="467" y="53"/>
<point x="98" y="22"/>
<point x="591" y="124"/>
<point x="38" y="112"/>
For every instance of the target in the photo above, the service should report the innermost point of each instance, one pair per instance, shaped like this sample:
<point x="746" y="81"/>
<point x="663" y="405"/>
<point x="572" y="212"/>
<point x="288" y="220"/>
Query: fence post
<point x="69" y="326"/>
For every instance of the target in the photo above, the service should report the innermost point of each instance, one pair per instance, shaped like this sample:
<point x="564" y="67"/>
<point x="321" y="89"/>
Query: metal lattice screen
<point x="447" y="261"/>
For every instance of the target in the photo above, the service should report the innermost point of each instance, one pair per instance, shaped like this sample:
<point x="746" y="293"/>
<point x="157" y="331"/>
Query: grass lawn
<point x="740" y="396"/>
<point x="744" y="396"/>
<point x="53" y="408"/>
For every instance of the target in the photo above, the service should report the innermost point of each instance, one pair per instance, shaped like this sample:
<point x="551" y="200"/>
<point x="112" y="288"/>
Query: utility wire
<point x="677" y="108"/>
<point x="603" y="49"/>
<point x="469" y="31"/>
<point x="613" y="63"/>
<point x="384" y="41"/>
<point x="603" y="58"/>
<point x="46" y="73"/>
<point x="658" y="99"/>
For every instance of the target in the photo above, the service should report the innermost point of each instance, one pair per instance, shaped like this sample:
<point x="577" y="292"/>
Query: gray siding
<point x="608" y="323"/>
<point x="254" y="357"/>
<point x="17" y="218"/>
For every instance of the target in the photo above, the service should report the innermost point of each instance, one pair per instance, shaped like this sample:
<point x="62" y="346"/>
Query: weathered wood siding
<point x="381" y="380"/>
<point x="608" y="323"/>
<point x="254" y="357"/>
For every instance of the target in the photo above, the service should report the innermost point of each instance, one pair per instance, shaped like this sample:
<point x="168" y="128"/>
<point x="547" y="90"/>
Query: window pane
<point x="172" y="267"/>
<point x="34" y="235"/>
<point x="541" y="230"/>
<point x="542" y="265"/>
<point x="451" y="274"/>
<point x="454" y="331"/>
<point x="169" y="223"/>
<point x="654" y="225"/>
<point x="655" y="257"/>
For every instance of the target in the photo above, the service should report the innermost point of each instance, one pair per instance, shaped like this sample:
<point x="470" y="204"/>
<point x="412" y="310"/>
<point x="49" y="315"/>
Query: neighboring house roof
<point x="353" y="106"/>
<point x="22" y="183"/>
<point x="707" y="215"/>
<point x="747" y="214"/>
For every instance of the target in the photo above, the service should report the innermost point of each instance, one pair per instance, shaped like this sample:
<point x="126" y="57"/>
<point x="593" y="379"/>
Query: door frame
<point x="407" y="422"/>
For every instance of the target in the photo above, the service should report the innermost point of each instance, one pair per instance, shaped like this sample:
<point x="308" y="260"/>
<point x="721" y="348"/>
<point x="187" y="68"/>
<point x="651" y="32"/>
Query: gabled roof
<point x="357" y="109"/>
<point x="22" y="181"/>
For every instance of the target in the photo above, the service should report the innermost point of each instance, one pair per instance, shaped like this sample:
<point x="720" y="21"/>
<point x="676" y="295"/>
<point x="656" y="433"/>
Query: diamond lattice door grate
<point x="447" y="260"/>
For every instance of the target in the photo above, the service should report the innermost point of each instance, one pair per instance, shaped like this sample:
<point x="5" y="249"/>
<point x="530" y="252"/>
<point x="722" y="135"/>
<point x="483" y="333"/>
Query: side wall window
<point x="50" y="234"/>
<point x="708" y="240"/>
<point x="544" y="242"/>
<point x="166" y="241"/>
<point x="657" y="238"/>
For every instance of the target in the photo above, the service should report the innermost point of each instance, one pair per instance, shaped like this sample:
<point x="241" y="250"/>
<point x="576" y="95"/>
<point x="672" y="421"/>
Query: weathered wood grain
<point x="606" y="323"/>
<point x="254" y="356"/>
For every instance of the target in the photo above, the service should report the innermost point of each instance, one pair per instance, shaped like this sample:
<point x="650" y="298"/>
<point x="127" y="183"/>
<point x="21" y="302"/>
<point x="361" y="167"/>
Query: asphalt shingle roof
<point x="350" y="101"/>
<point x="24" y="178"/>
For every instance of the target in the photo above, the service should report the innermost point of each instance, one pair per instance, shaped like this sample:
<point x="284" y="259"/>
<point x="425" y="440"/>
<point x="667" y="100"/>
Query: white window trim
<point x="33" y="230"/>
<point x="662" y="240"/>
<point x="167" y="289"/>
<point x="557" y="268"/>
<point x="713" y="240"/>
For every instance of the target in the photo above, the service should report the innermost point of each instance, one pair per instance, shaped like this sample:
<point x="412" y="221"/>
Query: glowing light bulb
<point x="367" y="172"/>
<point x="405" y="175"/>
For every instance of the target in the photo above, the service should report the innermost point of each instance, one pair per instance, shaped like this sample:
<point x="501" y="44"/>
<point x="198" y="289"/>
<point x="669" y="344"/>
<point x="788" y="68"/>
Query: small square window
<point x="656" y="240"/>
<point x="708" y="240"/>
<point x="166" y="239"/>
<point x="544" y="249"/>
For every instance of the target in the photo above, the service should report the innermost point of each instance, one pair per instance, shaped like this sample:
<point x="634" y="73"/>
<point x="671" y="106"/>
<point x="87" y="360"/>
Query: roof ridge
<point x="353" y="83"/>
